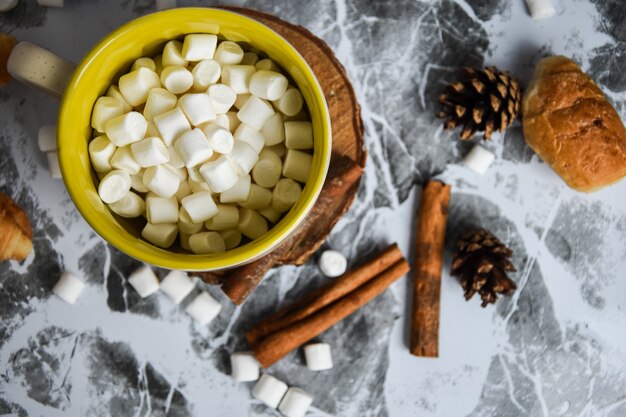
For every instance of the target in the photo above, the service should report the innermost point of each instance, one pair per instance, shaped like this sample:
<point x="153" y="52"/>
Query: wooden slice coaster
<point x="346" y="166"/>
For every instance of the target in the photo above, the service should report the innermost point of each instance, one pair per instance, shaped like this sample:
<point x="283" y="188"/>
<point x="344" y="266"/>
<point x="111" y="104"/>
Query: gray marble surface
<point x="556" y="348"/>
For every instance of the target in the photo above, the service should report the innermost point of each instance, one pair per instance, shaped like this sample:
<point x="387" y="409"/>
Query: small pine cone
<point x="482" y="262"/>
<point x="484" y="101"/>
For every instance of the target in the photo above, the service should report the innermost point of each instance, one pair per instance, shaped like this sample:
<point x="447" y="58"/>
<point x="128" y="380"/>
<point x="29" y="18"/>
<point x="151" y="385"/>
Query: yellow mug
<point x="110" y="59"/>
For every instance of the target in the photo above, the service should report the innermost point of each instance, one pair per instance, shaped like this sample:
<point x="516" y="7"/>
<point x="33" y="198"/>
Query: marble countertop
<point x="557" y="347"/>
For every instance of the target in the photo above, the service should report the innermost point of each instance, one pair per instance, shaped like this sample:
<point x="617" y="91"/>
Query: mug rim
<point x="188" y="261"/>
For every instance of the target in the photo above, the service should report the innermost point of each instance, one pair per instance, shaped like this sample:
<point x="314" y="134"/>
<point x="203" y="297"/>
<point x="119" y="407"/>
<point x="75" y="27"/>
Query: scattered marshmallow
<point x="267" y="64"/>
<point x="105" y="109"/>
<point x="197" y="108"/>
<point x="161" y="181"/>
<point x="165" y="4"/>
<point x="295" y="403"/>
<point x="158" y="102"/>
<point x="101" y="150"/>
<point x="318" y="356"/>
<point x="290" y="103"/>
<point x="252" y="137"/>
<point x="205" y="73"/>
<point x="220" y="139"/>
<point x="176" y="79"/>
<point x="129" y="206"/>
<point x="269" y="390"/>
<point x="199" y="46"/>
<point x="161" y="235"/>
<point x="232" y="238"/>
<point x="144" y="281"/>
<point x="243" y="157"/>
<point x="227" y="217"/>
<point x="268" y="169"/>
<point x="238" y="77"/>
<point x="206" y="243"/>
<point x="273" y="130"/>
<point x="479" y="159"/>
<point x="173" y="55"/>
<point x="333" y="263"/>
<point x="222" y="97"/>
<point x="193" y="148"/>
<point x="285" y="194"/>
<point x="228" y="52"/>
<point x="244" y="367"/>
<point x="255" y="112"/>
<point x="53" y="165"/>
<point x="541" y="9"/>
<point x="149" y="152"/>
<point x="238" y="193"/>
<point x="204" y="308"/>
<point x="297" y="165"/>
<point x="136" y="85"/>
<point x="161" y="210"/>
<point x="186" y="225"/>
<point x="143" y="62"/>
<point x="177" y="285"/>
<point x="298" y="135"/>
<point x="171" y="125"/>
<point x="269" y="85"/>
<point x="199" y="206"/>
<point x="68" y="287"/>
<point x="126" y="129"/>
<point x="220" y="174"/>
<point x="7" y="5"/>
<point x="50" y="3"/>
<point x="114" y="186"/>
<point x="123" y="159"/>
<point x="251" y="224"/>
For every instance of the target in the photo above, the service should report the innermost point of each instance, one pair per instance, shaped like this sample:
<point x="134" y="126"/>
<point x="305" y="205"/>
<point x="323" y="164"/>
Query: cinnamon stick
<point x="241" y="281"/>
<point x="327" y="294"/>
<point x="278" y="344"/>
<point x="429" y="245"/>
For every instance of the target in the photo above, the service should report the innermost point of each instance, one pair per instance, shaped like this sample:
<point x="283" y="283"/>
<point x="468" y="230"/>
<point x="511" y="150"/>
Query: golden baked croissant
<point x="15" y="231"/>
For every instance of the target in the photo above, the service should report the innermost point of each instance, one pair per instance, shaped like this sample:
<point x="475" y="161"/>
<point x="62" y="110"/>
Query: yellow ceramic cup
<point x="110" y="59"/>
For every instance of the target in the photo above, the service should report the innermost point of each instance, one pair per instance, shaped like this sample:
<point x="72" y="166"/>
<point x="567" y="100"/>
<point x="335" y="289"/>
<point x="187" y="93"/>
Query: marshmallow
<point x="318" y="356"/>
<point x="114" y="186"/>
<point x="232" y="238"/>
<point x="200" y="206"/>
<point x="144" y="281"/>
<point x="175" y="159"/>
<point x="226" y="218"/>
<point x="183" y="190"/>
<point x="161" y="181"/>
<point x="298" y="135"/>
<point x="258" y="198"/>
<point x="221" y="120"/>
<point x="285" y="194"/>
<point x="171" y="125"/>
<point x="267" y="64"/>
<point x="244" y="367"/>
<point x="101" y="151"/>
<point x="241" y="100"/>
<point x="105" y="109"/>
<point x="332" y="263"/>
<point x="68" y="287"/>
<point x="206" y="242"/>
<point x="267" y="170"/>
<point x="270" y="214"/>
<point x="478" y="159"/>
<point x="289" y="103"/>
<point x="199" y="46"/>
<point x="299" y="117"/>
<point x="159" y="101"/>
<point x="143" y="62"/>
<point x="184" y="241"/>
<point x="205" y="73"/>
<point x="196" y="186"/>
<point x="7" y="5"/>
<point x="149" y="152"/>
<point x="123" y="159"/>
<point x="136" y="183"/>
<point x="50" y="3"/>
<point x="252" y="137"/>
<point x="233" y="121"/>
<point x="541" y="9"/>
<point x="238" y="193"/>
<point x="186" y="225"/>
<point x="129" y="206"/>
<point x="161" y="210"/>
<point x="114" y="92"/>
<point x="176" y="79"/>
<point x="151" y="130"/>
<point x="161" y="235"/>
<point x="268" y="85"/>
<point x="295" y="403"/>
<point x="173" y="55"/>
<point x="177" y="285"/>
<point x="193" y="148"/>
<point x="220" y="174"/>
<point x="228" y="52"/>
<point x="251" y="224"/>
<point x="297" y="165"/>
<point x="165" y="4"/>
<point x="255" y="112"/>
<point x="273" y="130"/>
<point x="194" y="175"/>
<point x="181" y="173"/>
<point x="219" y="138"/>
<point x="203" y="308"/>
<point x="243" y="157"/>
<point x="269" y="390"/>
<point x="249" y="58"/>
<point x="280" y="150"/>
<point x="197" y="108"/>
<point x="222" y="97"/>
<point x="136" y="85"/>
<point x="158" y="63"/>
<point x="238" y="77"/>
<point x="126" y="129"/>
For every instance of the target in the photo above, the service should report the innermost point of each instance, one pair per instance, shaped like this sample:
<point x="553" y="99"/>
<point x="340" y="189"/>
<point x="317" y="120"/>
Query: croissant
<point x="15" y="231"/>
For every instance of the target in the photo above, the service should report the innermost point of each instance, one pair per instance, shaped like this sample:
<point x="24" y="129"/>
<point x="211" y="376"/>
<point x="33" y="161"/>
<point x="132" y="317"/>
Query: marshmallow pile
<point x="209" y="143"/>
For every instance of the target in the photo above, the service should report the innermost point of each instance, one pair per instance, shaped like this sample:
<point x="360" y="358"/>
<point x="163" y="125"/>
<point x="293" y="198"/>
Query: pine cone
<point x="15" y="231"/>
<point x="482" y="262"/>
<point x="484" y="101"/>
